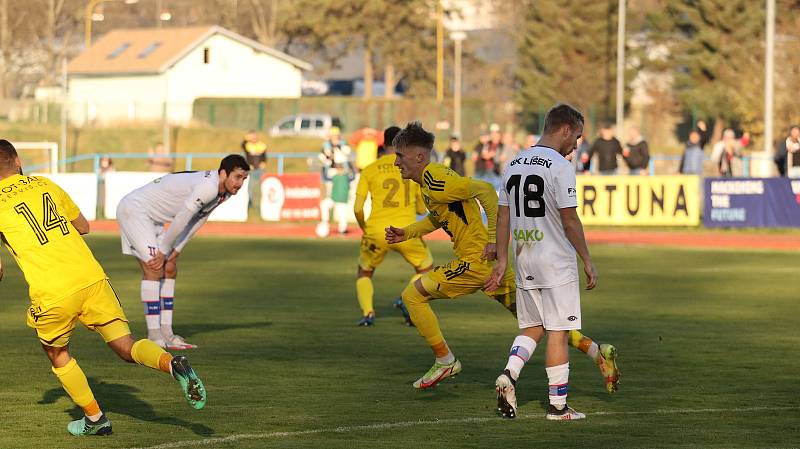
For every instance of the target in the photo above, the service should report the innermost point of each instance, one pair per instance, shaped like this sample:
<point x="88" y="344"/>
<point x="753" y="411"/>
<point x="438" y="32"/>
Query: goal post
<point x="38" y="156"/>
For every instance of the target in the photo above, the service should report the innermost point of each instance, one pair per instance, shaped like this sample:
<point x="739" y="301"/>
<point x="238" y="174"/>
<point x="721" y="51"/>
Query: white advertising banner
<point x="119" y="184"/>
<point x="81" y="187"/>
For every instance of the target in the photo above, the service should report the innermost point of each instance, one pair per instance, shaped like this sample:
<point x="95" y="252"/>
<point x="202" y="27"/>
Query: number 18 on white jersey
<point x="536" y="184"/>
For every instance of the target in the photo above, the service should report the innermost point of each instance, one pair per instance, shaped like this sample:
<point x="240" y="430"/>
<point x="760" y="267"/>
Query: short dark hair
<point x="560" y="115"/>
<point x="389" y="134"/>
<point x="414" y="135"/>
<point x="233" y="161"/>
<point x="7" y="154"/>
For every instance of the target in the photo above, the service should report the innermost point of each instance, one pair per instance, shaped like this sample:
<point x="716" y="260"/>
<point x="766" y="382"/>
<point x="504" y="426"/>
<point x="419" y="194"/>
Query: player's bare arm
<point x="81" y="224"/>
<point x="487" y="197"/>
<point x="573" y="229"/>
<point x="503" y="231"/>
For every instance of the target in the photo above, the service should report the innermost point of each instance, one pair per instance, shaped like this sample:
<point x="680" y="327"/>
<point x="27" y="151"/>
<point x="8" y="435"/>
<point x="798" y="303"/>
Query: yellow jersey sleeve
<point x="362" y="189"/>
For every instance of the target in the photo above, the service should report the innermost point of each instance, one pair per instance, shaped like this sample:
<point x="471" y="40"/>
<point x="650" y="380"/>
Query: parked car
<point x="310" y="125"/>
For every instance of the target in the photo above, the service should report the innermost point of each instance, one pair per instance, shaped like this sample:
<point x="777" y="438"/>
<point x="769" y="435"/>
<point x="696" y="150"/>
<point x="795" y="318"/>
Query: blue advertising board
<point x="751" y="202"/>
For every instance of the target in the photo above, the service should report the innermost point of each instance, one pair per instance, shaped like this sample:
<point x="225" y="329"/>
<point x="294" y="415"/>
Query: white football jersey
<point x="536" y="184"/>
<point x="162" y="199"/>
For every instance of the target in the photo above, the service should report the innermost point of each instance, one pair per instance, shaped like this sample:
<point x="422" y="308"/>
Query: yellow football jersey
<point x="453" y="207"/>
<point x="394" y="199"/>
<point x="35" y="222"/>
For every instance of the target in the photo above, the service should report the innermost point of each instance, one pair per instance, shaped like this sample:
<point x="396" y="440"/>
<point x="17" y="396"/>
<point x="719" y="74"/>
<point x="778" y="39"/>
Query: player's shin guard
<point x="423" y="317"/>
<point x="364" y="292"/>
<point x="520" y="353"/>
<point x="149" y="354"/>
<point x="558" y="378"/>
<point x="584" y="344"/>
<point x="167" y="294"/>
<point x="509" y="301"/>
<point x="152" y="308"/>
<point x="75" y="384"/>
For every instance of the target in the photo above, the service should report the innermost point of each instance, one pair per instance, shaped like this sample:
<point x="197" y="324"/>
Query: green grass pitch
<point x="708" y="347"/>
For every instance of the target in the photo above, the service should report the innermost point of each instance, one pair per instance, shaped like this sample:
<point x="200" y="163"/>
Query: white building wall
<point x="116" y="98"/>
<point x="234" y="70"/>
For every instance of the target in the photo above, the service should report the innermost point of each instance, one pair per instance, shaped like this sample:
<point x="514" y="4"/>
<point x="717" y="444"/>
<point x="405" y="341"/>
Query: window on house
<point x="117" y="51"/>
<point x="206" y="55"/>
<point x="149" y="49"/>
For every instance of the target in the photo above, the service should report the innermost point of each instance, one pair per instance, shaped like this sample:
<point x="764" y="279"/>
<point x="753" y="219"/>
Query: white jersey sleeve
<point x="502" y="199"/>
<point x="565" y="185"/>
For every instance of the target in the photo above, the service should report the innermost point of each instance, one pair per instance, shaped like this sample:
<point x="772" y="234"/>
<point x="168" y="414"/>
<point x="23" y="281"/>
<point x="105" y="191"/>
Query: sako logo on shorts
<point x="528" y="235"/>
<point x="572" y="318"/>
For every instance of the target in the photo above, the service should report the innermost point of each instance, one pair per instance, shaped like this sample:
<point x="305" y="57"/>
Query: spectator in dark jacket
<point x="636" y="152"/>
<point x="782" y="150"/>
<point x="454" y="157"/>
<point x="693" y="157"/>
<point x="787" y="154"/>
<point x="607" y="148"/>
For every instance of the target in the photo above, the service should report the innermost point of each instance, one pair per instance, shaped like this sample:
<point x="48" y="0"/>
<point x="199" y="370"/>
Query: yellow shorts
<point x="374" y="249"/>
<point x="459" y="278"/>
<point x="96" y="306"/>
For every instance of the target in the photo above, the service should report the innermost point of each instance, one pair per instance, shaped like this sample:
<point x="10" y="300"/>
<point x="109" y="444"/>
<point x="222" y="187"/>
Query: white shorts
<point x="556" y="309"/>
<point x="140" y="235"/>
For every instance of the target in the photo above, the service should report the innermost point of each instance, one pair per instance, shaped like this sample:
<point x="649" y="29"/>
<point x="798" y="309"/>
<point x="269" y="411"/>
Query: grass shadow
<point x="189" y="330"/>
<point x="122" y="399"/>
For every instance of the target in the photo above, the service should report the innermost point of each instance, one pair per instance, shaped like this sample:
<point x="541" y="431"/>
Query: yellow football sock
<point x="423" y="317"/>
<point x="364" y="291"/>
<point x="584" y="344"/>
<point x="575" y="337"/>
<point x="149" y="354"/>
<point x="415" y="277"/>
<point x="77" y="387"/>
<point x="509" y="301"/>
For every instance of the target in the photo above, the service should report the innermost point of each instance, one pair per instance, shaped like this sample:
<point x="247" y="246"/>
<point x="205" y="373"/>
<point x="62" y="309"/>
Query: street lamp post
<point x="457" y="37"/>
<point x="769" y="83"/>
<point x="87" y="27"/>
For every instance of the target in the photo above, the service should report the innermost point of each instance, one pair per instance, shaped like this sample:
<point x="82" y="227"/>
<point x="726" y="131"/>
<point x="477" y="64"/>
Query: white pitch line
<point x="401" y="424"/>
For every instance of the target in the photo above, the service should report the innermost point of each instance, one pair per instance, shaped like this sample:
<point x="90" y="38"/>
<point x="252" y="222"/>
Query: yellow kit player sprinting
<point x="394" y="201"/>
<point x="452" y="202"/>
<point x="41" y="226"/>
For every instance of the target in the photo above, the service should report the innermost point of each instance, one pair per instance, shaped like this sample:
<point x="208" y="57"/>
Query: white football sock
<point x="152" y="307"/>
<point x="594" y="351"/>
<point x="521" y="351"/>
<point x="558" y="378"/>
<point x="448" y="359"/>
<point x="167" y="304"/>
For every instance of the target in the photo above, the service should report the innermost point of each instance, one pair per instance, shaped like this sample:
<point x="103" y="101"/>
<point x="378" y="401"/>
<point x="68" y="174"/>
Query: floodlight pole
<point x="620" y="68"/>
<point x="458" y="37"/>
<point x="439" y="51"/>
<point x="769" y="87"/>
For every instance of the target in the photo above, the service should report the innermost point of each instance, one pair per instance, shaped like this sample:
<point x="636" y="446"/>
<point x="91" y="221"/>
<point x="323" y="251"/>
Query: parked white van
<point x="311" y="125"/>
